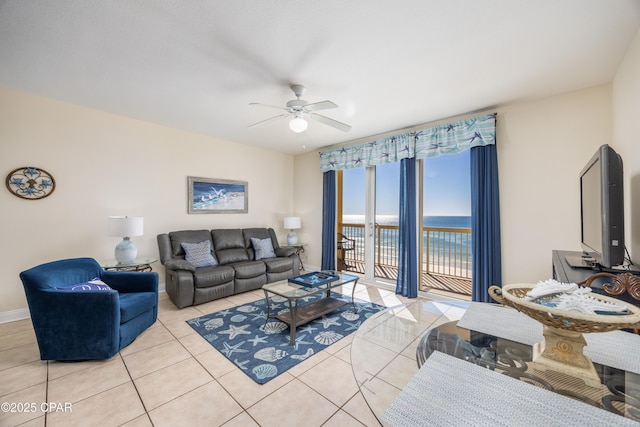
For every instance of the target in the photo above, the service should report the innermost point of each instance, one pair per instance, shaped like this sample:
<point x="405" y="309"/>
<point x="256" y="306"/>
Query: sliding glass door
<point x="387" y="206"/>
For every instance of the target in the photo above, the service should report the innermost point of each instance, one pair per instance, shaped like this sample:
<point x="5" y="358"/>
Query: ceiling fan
<point x="300" y="109"/>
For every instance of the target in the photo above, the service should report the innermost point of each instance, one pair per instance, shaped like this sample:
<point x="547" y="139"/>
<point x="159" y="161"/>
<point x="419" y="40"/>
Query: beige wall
<point x="542" y="146"/>
<point x="626" y="140"/>
<point x="106" y="164"/>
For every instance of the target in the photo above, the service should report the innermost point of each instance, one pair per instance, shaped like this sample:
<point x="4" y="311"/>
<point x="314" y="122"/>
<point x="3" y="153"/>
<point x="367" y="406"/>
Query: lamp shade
<point x="125" y="226"/>
<point x="292" y="222"/>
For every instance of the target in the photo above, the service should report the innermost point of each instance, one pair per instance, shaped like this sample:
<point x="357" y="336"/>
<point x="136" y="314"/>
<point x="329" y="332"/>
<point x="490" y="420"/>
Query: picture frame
<point x="212" y="196"/>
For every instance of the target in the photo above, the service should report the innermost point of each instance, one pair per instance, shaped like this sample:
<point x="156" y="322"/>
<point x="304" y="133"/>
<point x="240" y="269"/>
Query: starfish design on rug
<point x="307" y="328"/>
<point x="258" y="340"/>
<point x="329" y="321"/>
<point x="241" y="365"/>
<point x="228" y="350"/>
<point x="194" y="322"/>
<point x="258" y="316"/>
<point x="223" y="313"/>
<point x="353" y="326"/>
<point x="234" y="331"/>
<point x="299" y="341"/>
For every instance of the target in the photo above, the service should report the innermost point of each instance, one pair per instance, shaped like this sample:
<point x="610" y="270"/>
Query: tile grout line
<point x="146" y="411"/>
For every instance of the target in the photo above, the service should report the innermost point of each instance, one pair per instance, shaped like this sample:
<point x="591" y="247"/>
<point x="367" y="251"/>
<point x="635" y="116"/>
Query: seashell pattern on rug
<point x="238" y="318"/>
<point x="328" y="337"/>
<point x="274" y="327"/>
<point x="265" y="371"/>
<point x="270" y="354"/>
<point x="213" y="324"/>
<point x="350" y="315"/>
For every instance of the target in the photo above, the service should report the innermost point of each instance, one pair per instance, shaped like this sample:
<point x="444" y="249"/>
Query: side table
<point x="142" y="264"/>
<point x="299" y="247"/>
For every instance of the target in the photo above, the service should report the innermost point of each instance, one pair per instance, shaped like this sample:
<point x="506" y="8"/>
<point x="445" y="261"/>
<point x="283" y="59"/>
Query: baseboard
<point x="14" y="315"/>
<point x="23" y="313"/>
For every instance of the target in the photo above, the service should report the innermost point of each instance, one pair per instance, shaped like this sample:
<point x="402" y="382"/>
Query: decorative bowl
<point x="563" y="344"/>
<point x="512" y="295"/>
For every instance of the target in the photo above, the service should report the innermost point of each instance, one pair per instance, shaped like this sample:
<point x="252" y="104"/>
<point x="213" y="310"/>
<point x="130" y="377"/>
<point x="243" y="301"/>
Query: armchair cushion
<point x="134" y="304"/>
<point x="92" y="285"/>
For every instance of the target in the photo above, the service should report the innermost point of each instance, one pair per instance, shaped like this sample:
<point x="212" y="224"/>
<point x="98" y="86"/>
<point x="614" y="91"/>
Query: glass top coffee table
<point x="300" y="314"/>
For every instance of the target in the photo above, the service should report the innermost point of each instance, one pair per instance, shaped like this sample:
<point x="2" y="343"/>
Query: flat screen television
<point x="602" y="208"/>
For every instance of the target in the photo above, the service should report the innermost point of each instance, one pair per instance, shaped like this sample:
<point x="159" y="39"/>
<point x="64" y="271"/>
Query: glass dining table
<point x="390" y="347"/>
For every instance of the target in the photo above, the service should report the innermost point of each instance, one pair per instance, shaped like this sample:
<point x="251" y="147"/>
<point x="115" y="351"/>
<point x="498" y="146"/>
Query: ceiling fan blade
<point x="281" y="116"/>
<point x="322" y="105"/>
<point x="258" y="104"/>
<point x="330" y="122"/>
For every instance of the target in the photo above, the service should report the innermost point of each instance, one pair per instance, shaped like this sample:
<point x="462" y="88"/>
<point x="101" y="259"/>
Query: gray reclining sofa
<point x="230" y="263"/>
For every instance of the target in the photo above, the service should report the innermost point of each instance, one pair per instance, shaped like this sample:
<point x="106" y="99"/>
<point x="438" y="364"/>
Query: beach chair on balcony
<point x="344" y="244"/>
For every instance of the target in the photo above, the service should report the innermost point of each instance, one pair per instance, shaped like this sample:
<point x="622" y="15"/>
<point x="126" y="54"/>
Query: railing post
<point x="378" y="242"/>
<point x="428" y="248"/>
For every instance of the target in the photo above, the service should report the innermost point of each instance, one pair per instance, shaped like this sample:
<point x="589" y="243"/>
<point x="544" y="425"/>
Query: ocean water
<point x="427" y="221"/>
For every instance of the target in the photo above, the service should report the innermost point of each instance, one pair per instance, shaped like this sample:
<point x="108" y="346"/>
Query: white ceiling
<point x="196" y="65"/>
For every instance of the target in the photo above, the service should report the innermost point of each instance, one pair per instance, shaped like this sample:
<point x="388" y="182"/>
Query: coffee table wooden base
<point x="304" y="314"/>
<point x="301" y="314"/>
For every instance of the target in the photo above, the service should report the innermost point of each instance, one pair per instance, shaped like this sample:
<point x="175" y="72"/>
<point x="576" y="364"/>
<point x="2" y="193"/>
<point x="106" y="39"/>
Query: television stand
<point x="564" y="272"/>
<point x="614" y="270"/>
<point x="578" y="261"/>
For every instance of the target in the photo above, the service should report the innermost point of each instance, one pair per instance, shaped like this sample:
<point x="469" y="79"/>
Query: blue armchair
<point x="88" y="324"/>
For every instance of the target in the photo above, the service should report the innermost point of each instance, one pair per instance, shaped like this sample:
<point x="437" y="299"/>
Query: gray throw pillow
<point x="199" y="254"/>
<point x="263" y="248"/>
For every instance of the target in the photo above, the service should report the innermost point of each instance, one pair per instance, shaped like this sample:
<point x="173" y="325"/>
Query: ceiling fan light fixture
<point x="298" y="124"/>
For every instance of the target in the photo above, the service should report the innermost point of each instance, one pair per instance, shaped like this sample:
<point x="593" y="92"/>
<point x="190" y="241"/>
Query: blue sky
<point x="446" y="183"/>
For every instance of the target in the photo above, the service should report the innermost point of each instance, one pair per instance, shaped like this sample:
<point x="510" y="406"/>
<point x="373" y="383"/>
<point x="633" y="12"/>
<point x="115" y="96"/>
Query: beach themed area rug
<point x="263" y="351"/>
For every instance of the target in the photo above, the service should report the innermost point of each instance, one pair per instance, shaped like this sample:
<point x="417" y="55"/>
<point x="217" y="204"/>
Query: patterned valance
<point x="450" y="138"/>
<point x="456" y="137"/>
<point x="386" y="150"/>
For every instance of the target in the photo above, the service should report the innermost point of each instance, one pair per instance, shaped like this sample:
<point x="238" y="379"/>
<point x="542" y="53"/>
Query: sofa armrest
<point x="131" y="281"/>
<point x="288" y="251"/>
<point x="164" y="247"/>
<point x="179" y="264"/>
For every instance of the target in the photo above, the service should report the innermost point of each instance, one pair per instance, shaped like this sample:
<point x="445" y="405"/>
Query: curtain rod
<point x="401" y="131"/>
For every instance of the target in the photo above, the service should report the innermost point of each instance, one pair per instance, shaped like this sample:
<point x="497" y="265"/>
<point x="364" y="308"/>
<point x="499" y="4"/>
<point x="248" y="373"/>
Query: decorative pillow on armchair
<point x="199" y="254"/>
<point x="263" y="248"/>
<point x="92" y="285"/>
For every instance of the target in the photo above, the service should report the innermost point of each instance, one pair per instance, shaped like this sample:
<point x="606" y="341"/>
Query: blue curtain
<point x="485" y="222"/>
<point x="407" y="284"/>
<point x="329" y="220"/>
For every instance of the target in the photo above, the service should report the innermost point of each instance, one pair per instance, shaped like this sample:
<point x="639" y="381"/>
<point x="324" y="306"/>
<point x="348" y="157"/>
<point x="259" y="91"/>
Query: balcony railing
<point x="445" y="251"/>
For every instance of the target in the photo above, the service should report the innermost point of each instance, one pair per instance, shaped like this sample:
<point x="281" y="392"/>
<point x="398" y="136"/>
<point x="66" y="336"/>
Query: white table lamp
<point x="292" y="223"/>
<point x="125" y="227"/>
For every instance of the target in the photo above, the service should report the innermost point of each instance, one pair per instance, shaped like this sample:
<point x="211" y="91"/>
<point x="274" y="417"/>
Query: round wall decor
<point x="30" y="183"/>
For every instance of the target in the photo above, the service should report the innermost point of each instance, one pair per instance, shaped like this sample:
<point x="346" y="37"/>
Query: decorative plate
<point x="30" y="183"/>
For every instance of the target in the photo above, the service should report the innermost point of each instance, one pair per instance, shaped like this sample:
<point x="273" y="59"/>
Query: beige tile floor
<point x="171" y="376"/>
